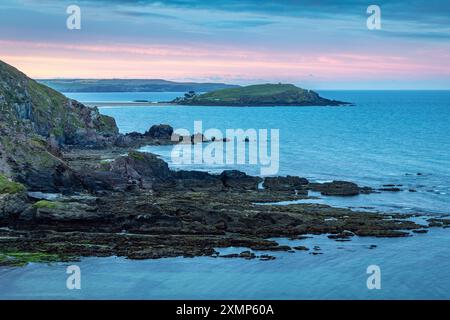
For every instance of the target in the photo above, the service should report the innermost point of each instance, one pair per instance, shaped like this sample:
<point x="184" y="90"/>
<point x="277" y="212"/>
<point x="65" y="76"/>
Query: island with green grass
<point x="258" y="95"/>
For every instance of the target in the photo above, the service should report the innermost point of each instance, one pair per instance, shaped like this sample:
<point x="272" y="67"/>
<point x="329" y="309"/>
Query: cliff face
<point x="35" y="122"/>
<point x="38" y="109"/>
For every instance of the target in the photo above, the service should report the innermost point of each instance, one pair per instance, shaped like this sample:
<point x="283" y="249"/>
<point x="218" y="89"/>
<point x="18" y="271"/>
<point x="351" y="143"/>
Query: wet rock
<point x="285" y="183"/>
<point x="420" y="231"/>
<point x="341" y="236"/>
<point x="337" y="188"/>
<point x="239" y="180"/>
<point x="266" y="257"/>
<point x="301" y="248"/>
<point x="390" y="189"/>
<point x="247" y="255"/>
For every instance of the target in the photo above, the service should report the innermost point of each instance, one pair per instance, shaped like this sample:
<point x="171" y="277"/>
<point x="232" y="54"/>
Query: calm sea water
<point x="387" y="138"/>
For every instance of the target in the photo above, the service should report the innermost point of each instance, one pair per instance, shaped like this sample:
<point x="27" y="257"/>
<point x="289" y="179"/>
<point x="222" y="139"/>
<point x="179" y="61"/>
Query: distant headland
<point x="130" y="85"/>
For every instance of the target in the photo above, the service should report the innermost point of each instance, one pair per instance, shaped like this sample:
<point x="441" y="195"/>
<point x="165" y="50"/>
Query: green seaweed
<point x="19" y="259"/>
<point x="45" y="204"/>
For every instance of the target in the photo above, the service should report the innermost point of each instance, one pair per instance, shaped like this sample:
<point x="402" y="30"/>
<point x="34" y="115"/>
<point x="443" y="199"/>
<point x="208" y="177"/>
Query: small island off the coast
<point x="259" y="95"/>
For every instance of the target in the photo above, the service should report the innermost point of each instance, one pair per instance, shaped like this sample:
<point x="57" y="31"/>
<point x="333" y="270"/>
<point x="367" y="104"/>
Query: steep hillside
<point x="35" y="122"/>
<point x="34" y="108"/>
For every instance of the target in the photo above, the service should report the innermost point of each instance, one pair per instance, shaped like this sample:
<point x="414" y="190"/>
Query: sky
<point x="316" y="44"/>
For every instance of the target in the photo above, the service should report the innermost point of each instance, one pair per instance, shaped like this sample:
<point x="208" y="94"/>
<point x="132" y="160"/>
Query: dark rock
<point x="141" y="168"/>
<point x="247" y="255"/>
<point x="341" y="236"/>
<point x="161" y="131"/>
<point x="266" y="257"/>
<point x="301" y="248"/>
<point x="285" y="183"/>
<point x="395" y="189"/>
<point x="336" y="188"/>
<point x="239" y="180"/>
<point x="197" y="180"/>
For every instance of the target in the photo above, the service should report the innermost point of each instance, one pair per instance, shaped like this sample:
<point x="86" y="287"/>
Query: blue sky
<point x="320" y="44"/>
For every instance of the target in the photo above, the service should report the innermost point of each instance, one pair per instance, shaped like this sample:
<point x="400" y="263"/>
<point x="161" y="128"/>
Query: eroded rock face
<point x="12" y="205"/>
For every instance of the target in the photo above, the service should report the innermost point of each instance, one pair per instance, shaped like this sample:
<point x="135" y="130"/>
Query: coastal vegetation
<point x="259" y="95"/>
<point x="10" y="187"/>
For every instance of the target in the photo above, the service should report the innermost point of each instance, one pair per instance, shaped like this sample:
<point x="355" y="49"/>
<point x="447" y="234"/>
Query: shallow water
<point x="387" y="138"/>
<point x="411" y="268"/>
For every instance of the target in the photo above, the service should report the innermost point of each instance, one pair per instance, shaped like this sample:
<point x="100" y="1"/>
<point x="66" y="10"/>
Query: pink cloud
<point x="47" y="60"/>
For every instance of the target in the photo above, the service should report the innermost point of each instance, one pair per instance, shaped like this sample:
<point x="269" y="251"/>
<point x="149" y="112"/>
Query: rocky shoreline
<point x="72" y="186"/>
<point x="140" y="209"/>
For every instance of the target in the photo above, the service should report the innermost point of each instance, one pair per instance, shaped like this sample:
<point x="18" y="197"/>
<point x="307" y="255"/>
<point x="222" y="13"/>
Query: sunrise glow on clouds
<point x="253" y="46"/>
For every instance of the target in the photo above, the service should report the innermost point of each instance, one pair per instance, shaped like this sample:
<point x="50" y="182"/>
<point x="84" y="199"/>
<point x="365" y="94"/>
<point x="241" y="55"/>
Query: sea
<point x="399" y="138"/>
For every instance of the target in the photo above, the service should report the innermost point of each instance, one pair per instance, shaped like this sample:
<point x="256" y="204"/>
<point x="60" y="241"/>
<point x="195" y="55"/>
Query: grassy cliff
<point x="259" y="95"/>
<point x="31" y="107"/>
<point x="35" y="122"/>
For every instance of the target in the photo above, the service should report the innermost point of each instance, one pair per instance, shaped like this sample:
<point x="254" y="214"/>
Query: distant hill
<point x="259" y="95"/>
<point x="130" y="85"/>
<point x="34" y="121"/>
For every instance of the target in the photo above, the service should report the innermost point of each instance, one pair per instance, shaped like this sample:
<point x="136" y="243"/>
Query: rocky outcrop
<point x="285" y="183"/>
<point x="339" y="188"/>
<point x="161" y="132"/>
<point x="239" y="180"/>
